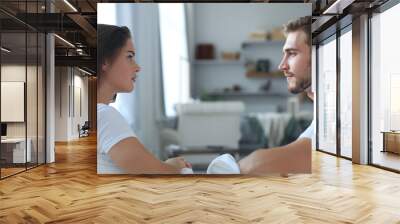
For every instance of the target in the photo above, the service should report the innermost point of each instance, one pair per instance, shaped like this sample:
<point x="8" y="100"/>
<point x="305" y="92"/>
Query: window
<point x="346" y="92"/>
<point x="385" y="87"/>
<point x="326" y="94"/>
<point x="107" y="12"/>
<point x="174" y="55"/>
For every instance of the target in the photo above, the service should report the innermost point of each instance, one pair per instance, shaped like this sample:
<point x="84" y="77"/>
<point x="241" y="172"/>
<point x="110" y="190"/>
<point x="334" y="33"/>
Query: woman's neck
<point x="104" y="93"/>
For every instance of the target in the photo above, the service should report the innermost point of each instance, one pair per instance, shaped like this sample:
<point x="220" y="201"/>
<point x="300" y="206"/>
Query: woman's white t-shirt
<point x="111" y="129"/>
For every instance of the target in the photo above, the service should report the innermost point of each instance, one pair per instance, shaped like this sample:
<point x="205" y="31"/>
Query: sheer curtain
<point x="174" y="55"/>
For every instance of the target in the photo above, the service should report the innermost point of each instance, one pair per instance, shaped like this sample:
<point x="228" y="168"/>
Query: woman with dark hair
<point x="118" y="149"/>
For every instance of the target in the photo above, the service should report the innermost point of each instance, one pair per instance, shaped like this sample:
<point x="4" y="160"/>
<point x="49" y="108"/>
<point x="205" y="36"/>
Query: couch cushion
<point x="234" y="107"/>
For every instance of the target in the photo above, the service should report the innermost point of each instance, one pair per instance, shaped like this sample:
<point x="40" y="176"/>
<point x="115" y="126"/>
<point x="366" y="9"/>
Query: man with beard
<point x="296" y="65"/>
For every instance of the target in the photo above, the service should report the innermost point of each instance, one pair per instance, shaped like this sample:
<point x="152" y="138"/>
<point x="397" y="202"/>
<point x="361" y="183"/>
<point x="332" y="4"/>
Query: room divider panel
<point x="22" y="77"/>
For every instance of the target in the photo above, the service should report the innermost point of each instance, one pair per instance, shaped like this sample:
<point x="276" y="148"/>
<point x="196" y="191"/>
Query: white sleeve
<point x="309" y="132"/>
<point x="111" y="128"/>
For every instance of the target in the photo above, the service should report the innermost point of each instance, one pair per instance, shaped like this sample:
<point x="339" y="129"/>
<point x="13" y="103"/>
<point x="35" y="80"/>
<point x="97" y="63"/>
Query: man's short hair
<point x="303" y="24"/>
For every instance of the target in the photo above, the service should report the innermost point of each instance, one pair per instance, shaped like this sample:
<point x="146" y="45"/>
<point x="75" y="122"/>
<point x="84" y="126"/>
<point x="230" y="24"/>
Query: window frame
<point x="332" y="33"/>
<point x="379" y="10"/>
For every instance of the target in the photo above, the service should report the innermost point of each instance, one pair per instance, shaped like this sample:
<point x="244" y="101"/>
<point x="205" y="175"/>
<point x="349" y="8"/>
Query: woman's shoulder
<point x="101" y="107"/>
<point x="108" y="116"/>
<point x="104" y="110"/>
<point x="111" y="127"/>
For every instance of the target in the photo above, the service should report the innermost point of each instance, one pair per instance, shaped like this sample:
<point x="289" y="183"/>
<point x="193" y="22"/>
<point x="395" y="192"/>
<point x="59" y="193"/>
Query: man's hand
<point x="178" y="162"/>
<point x="292" y="158"/>
<point x="246" y="164"/>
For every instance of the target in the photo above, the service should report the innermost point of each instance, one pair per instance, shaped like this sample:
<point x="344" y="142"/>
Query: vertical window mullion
<point x="26" y="86"/>
<point x="338" y="77"/>
<point x="0" y="95"/>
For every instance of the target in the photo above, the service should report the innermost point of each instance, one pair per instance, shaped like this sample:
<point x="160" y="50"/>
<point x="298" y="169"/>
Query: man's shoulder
<point x="309" y="132"/>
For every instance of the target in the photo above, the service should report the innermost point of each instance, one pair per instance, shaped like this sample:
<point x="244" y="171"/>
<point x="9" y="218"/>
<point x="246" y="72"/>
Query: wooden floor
<point x="5" y="172"/>
<point x="10" y="171"/>
<point x="70" y="191"/>
<point x="387" y="159"/>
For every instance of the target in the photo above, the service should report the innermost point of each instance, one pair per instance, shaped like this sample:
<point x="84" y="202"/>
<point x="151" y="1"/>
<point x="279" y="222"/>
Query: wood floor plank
<point x="70" y="191"/>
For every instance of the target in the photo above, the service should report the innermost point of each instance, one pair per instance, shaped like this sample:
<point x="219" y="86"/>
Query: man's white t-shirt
<point x="111" y="129"/>
<point x="309" y="132"/>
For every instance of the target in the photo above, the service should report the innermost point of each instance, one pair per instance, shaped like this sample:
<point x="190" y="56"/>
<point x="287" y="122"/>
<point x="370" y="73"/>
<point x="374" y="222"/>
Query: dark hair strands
<point x="110" y="40"/>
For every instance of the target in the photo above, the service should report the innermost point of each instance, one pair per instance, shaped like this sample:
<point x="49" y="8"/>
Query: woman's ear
<point x="105" y="66"/>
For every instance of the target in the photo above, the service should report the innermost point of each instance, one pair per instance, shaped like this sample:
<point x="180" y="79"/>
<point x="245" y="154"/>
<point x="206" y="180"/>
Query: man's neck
<point x="309" y="93"/>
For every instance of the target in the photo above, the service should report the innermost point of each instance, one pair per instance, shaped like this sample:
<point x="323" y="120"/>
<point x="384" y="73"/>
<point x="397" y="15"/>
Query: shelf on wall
<point x="274" y="74"/>
<point x="247" y="94"/>
<point x="218" y="62"/>
<point x="263" y="42"/>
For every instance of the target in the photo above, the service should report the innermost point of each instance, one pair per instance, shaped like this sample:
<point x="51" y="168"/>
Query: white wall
<point x="67" y="81"/>
<point x="61" y="103"/>
<point x="33" y="126"/>
<point x="82" y="82"/>
<point x="50" y="95"/>
<point x="227" y="26"/>
<point x="14" y="73"/>
<point x="17" y="73"/>
<point x="12" y="101"/>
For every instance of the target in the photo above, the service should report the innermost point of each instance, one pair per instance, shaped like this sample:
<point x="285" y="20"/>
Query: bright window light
<point x="327" y="96"/>
<point x="175" y="59"/>
<point x="346" y="94"/>
<point x="107" y="13"/>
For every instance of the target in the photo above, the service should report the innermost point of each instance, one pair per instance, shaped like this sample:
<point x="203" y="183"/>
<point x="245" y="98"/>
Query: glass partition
<point x="22" y="78"/>
<point x="13" y="104"/>
<point x="175" y="59"/>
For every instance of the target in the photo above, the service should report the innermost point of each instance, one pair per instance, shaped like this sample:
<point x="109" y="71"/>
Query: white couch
<point x="203" y="124"/>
